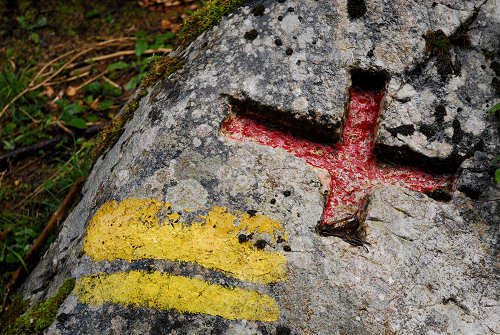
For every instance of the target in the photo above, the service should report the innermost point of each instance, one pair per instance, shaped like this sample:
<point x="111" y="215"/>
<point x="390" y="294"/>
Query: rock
<point x="155" y="243"/>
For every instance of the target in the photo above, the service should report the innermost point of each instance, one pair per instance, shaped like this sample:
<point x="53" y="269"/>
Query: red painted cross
<point x="351" y="164"/>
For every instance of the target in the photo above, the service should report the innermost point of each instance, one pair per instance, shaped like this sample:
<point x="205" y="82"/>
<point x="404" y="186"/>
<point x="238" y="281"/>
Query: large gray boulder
<point x="138" y="242"/>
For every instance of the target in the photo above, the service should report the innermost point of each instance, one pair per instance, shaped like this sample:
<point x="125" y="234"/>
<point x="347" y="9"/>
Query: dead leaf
<point x="95" y="105"/>
<point x="12" y="64"/>
<point x="166" y="24"/>
<point x="63" y="127"/>
<point x="71" y="91"/>
<point x="48" y="91"/>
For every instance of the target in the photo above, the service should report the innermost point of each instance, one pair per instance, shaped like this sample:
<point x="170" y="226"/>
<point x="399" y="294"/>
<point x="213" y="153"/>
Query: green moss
<point x="161" y="68"/>
<point x="41" y="315"/>
<point x="488" y="54"/>
<point x="108" y="136"/>
<point x="205" y="19"/>
<point x="8" y="318"/>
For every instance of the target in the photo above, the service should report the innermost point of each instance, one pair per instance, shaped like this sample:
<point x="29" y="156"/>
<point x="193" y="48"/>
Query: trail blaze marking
<point x="164" y="291"/>
<point x="351" y="164"/>
<point x="131" y="230"/>
<point x="146" y="229"/>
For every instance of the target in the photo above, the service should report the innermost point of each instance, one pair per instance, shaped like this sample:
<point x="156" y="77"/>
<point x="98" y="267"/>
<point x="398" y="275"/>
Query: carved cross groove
<point x="351" y="163"/>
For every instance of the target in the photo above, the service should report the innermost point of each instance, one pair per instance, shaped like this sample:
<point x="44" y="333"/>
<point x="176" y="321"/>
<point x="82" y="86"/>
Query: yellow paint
<point x="260" y="224"/>
<point x="132" y="230"/>
<point x="164" y="291"/>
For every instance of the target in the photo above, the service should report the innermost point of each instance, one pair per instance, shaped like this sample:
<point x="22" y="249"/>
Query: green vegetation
<point x="114" y="129"/>
<point x="205" y="19"/>
<point x="37" y="318"/>
<point x="161" y="68"/>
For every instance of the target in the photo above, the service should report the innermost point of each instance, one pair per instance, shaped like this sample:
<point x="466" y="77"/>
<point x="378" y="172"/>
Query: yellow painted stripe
<point x="133" y="230"/>
<point x="186" y="295"/>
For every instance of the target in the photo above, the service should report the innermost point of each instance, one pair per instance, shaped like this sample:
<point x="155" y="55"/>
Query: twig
<point x="67" y="79"/>
<point x="109" y="81"/>
<point x="30" y="148"/>
<point x="47" y="231"/>
<point x="28" y="89"/>
<point x="63" y="127"/>
<point x="116" y="39"/>
<point x="29" y="115"/>
<point x="72" y="51"/>
<point x="64" y="66"/>
<point x="32" y="82"/>
<point x="91" y="80"/>
<point x="125" y="53"/>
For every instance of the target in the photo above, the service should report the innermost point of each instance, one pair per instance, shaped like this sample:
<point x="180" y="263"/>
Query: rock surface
<point x="432" y="267"/>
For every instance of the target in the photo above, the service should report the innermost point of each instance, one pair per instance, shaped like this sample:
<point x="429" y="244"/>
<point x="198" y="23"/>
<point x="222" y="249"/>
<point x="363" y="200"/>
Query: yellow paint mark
<point x="132" y="230"/>
<point x="164" y="291"/>
<point x="260" y="224"/>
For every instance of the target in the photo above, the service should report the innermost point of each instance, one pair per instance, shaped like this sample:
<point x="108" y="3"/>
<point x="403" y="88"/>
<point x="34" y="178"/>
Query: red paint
<point x="352" y="165"/>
